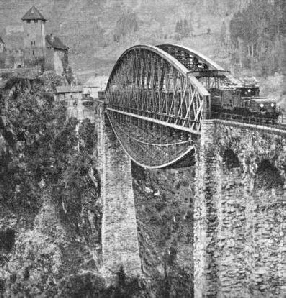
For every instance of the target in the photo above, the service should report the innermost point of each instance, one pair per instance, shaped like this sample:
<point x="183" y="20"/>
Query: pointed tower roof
<point x="33" y="14"/>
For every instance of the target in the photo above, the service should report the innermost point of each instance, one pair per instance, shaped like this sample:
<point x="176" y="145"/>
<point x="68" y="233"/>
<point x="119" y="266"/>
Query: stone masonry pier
<point x="240" y="211"/>
<point x="120" y="245"/>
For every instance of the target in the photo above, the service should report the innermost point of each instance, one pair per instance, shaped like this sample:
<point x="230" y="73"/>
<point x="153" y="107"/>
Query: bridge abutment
<point x="120" y="245"/>
<point x="240" y="211"/>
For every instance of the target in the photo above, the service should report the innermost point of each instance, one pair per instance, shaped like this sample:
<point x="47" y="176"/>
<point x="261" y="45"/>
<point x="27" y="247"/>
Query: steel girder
<point x="152" y="145"/>
<point x="149" y="82"/>
<point x="209" y="73"/>
<point x="155" y="106"/>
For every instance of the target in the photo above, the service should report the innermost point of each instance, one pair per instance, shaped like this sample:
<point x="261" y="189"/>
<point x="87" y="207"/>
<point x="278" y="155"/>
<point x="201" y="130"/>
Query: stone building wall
<point x="33" y="54"/>
<point x="58" y="64"/>
<point x="240" y="211"/>
<point x="53" y="60"/>
<point x="34" y="34"/>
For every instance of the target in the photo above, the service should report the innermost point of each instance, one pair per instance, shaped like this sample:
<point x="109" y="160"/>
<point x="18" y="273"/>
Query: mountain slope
<point x="96" y="31"/>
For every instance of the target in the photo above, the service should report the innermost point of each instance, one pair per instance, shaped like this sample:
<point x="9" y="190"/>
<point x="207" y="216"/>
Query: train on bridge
<point x="230" y="97"/>
<point x="243" y="100"/>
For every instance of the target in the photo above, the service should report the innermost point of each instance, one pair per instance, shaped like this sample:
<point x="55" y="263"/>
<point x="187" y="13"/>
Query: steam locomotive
<point x="244" y="100"/>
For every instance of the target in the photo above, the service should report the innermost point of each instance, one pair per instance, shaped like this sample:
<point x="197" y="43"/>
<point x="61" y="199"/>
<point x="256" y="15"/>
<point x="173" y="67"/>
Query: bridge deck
<point x="157" y="121"/>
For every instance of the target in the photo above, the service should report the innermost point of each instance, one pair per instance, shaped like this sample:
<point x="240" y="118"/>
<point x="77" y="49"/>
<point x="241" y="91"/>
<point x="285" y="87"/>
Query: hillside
<point x="98" y="31"/>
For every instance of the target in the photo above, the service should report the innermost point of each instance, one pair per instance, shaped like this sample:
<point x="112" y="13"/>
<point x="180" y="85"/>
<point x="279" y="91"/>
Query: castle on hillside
<point x="38" y="49"/>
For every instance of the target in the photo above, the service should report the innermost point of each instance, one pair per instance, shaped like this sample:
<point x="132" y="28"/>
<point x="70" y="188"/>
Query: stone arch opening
<point x="268" y="176"/>
<point x="230" y="159"/>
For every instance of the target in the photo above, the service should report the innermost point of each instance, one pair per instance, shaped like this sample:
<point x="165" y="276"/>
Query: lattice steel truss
<point x="210" y="74"/>
<point x="155" y="106"/>
<point x="150" y="144"/>
<point x="146" y="82"/>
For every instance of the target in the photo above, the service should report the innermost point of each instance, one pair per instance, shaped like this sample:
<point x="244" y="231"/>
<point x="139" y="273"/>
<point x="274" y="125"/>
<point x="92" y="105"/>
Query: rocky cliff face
<point x="164" y="206"/>
<point x="42" y="254"/>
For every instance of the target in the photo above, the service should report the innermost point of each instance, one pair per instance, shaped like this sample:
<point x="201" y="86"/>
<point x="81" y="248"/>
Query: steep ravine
<point x="47" y="256"/>
<point x="164" y="203"/>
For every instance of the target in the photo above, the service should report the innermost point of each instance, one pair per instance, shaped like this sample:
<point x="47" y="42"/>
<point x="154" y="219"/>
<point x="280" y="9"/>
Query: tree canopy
<point x="40" y="148"/>
<point x="259" y="27"/>
<point x="127" y="23"/>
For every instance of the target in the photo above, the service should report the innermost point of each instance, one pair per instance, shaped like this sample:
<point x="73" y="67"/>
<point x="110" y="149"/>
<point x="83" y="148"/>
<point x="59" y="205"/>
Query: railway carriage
<point x="244" y="101"/>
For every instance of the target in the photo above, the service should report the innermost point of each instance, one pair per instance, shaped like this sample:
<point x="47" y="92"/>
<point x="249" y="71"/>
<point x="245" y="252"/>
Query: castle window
<point x="33" y="52"/>
<point x="28" y="21"/>
<point x="36" y="21"/>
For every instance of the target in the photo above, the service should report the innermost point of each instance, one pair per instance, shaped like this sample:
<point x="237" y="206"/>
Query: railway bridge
<point x="156" y="112"/>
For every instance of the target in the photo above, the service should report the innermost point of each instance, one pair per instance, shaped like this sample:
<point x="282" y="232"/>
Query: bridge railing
<point x="248" y="119"/>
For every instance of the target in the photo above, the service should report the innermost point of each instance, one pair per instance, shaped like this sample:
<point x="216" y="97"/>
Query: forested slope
<point x="48" y="190"/>
<point x="244" y="34"/>
<point x="98" y="31"/>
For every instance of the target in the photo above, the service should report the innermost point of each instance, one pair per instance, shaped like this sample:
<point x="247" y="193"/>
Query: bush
<point x="89" y="285"/>
<point x="85" y="285"/>
<point x="7" y="239"/>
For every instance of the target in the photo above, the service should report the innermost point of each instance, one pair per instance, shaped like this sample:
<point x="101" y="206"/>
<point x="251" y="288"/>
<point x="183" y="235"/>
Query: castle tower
<point x="34" y="30"/>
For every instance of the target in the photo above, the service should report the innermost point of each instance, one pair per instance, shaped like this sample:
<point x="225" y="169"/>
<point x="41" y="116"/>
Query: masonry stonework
<point x="240" y="211"/>
<point x="239" y="245"/>
<point x="120" y="245"/>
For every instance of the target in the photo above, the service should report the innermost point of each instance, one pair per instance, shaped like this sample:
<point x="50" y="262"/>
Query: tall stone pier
<point x="120" y="245"/>
<point x="239" y="245"/>
<point x="205" y="216"/>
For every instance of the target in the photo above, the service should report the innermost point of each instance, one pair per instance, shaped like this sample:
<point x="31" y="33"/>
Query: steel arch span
<point x="155" y="106"/>
<point x="208" y="72"/>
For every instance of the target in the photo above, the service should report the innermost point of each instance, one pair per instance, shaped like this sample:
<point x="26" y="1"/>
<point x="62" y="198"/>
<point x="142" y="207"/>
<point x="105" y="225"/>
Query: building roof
<point x="33" y="14"/>
<point x="55" y="42"/>
<point x="69" y="89"/>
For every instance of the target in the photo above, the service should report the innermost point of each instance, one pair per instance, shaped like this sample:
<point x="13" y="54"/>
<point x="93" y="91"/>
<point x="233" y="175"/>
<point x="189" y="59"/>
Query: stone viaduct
<point x="239" y="216"/>
<point x="239" y="245"/>
<point x="240" y="211"/>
